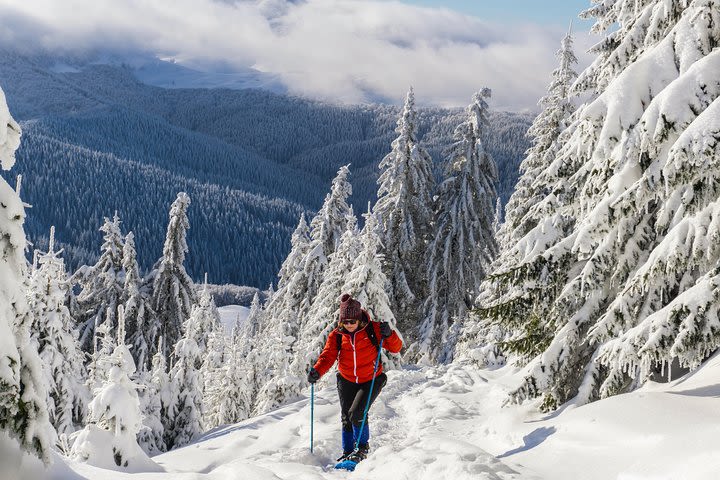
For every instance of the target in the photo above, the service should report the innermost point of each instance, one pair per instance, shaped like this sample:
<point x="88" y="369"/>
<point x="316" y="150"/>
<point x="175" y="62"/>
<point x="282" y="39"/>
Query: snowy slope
<point x="436" y="423"/>
<point x="232" y="314"/>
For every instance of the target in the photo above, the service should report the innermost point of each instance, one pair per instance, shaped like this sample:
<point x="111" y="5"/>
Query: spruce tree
<point x="515" y="311"/>
<point x="161" y="383"/>
<point x="101" y="285"/>
<point x="367" y="283"/>
<point x="23" y="410"/>
<point x="53" y="330"/>
<point x="247" y="339"/>
<point x="229" y="395"/>
<point x="463" y="245"/>
<point x="188" y="384"/>
<point x="173" y="293"/>
<point x="325" y="309"/>
<point x="115" y="413"/>
<point x="535" y="184"/>
<point x="632" y="283"/>
<point x="289" y="308"/>
<point x="139" y="316"/>
<point x="404" y="211"/>
<point x="151" y="436"/>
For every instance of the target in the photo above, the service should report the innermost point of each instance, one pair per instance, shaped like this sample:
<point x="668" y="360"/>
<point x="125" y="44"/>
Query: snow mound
<point x="98" y="449"/>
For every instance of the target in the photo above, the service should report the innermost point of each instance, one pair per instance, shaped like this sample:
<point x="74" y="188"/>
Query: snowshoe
<point x="344" y="456"/>
<point x="356" y="456"/>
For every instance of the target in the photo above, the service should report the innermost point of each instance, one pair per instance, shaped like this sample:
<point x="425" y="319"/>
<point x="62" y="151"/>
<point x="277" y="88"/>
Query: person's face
<point x="350" y="325"/>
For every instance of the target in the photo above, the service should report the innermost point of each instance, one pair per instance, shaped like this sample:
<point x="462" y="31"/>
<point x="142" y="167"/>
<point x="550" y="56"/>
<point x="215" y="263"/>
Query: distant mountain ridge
<point x="97" y="140"/>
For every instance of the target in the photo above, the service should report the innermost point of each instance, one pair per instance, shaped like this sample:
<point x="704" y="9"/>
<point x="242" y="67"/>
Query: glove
<point x="385" y="329"/>
<point x="313" y="376"/>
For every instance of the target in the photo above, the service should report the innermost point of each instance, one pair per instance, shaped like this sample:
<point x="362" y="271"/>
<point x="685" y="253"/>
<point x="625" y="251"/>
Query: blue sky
<point x="558" y="12"/>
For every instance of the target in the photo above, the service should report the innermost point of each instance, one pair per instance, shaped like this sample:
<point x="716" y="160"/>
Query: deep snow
<point x="449" y="422"/>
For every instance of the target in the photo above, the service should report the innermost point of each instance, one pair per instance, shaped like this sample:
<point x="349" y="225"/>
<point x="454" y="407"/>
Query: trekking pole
<point x="312" y="413"/>
<point x="367" y="404"/>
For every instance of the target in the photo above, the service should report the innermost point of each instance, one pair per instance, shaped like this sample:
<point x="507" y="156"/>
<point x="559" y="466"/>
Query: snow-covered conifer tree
<point x="404" y="211"/>
<point x="497" y="219"/>
<point x="229" y="395"/>
<point x="185" y="374"/>
<point x="536" y="218"/>
<point x="151" y="436"/>
<point x="276" y="339"/>
<point x="247" y="339"/>
<point x="103" y="345"/>
<point x="54" y="331"/>
<point x="173" y="293"/>
<point x="139" y="317"/>
<point x="101" y="284"/>
<point x="325" y="309"/>
<point x="110" y="440"/>
<point x="632" y="280"/>
<point x="290" y="306"/>
<point x="326" y="230"/>
<point x="207" y="319"/>
<point x="537" y="181"/>
<point x="366" y="282"/>
<point x="212" y="370"/>
<point x="23" y="409"/>
<point x="161" y="384"/>
<point x="464" y="241"/>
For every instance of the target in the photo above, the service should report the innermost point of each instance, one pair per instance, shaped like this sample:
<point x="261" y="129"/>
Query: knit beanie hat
<point x="349" y="308"/>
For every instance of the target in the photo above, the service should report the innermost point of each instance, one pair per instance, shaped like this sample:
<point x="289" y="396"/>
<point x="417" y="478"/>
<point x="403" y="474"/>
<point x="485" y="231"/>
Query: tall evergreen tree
<point x="536" y="218"/>
<point x="325" y="309"/>
<point x="114" y="412"/>
<point x="141" y="328"/>
<point x="366" y="282"/>
<point x="464" y="242"/>
<point x="103" y="345"/>
<point x="404" y="211"/>
<point x="23" y="410"/>
<point x="161" y="383"/>
<point x="326" y="230"/>
<point x="247" y="339"/>
<point x="634" y="276"/>
<point x="101" y="285"/>
<point x="229" y="396"/>
<point x="54" y="331"/>
<point x="290" y="307"/>
<point x="188" y="384"/>
<point x="535" y="182"/>
<point x="173" y="293"/>
<point x="207" y="319"/>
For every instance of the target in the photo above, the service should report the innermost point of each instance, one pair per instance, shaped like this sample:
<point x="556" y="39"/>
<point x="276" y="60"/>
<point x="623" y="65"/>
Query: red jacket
<point x="357" y="353"/>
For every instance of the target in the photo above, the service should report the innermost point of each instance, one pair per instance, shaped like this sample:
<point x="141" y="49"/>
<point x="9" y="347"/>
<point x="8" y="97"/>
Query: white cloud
<point x="340" y="50"/>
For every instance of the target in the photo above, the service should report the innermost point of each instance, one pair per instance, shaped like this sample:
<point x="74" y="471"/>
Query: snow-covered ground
<point x="231" y="314"/>
<point x="449" y="423"/>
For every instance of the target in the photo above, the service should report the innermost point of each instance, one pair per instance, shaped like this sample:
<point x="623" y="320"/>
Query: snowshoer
<point x="354" y="343"/>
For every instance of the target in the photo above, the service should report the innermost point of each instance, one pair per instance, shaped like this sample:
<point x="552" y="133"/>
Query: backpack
<point x="370" y="333"/>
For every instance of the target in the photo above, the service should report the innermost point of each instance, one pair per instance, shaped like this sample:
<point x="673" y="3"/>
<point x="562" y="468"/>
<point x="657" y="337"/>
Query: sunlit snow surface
<point x="231" y="314"/>
<point x="449" y="423"/>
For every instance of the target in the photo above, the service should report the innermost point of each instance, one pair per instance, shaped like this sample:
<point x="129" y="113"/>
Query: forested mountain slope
<point x="96" y="140"/>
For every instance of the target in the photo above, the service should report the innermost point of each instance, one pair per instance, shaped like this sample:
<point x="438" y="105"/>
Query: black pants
<point x="354" y="397"/>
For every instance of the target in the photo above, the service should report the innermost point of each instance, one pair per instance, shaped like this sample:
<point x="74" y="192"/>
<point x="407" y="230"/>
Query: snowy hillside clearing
<point x="448" y="422"/>
<point x="232" y="315"/>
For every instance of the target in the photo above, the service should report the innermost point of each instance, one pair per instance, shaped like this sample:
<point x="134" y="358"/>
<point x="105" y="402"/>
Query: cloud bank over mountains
<point x="348" y="51"/>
